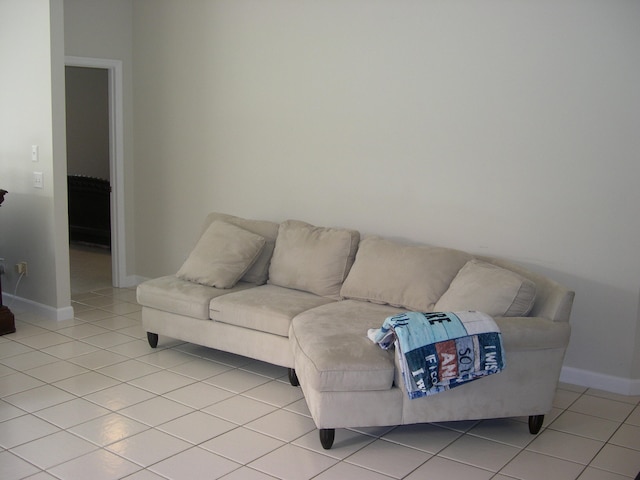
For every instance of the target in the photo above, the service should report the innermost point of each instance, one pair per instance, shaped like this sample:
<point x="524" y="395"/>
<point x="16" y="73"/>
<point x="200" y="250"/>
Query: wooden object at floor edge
<point x="7" y="320"/>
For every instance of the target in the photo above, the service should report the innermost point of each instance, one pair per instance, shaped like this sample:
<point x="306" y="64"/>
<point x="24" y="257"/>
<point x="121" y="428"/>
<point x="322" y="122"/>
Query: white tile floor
<point x="88" y="398"/>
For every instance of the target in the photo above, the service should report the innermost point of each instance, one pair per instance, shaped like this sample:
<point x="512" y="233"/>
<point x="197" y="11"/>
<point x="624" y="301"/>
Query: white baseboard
<point x="22" y="305"/>
<point x="571" y="375"/>
<point x="600" y="381"/>
<point x="132" y="281"/>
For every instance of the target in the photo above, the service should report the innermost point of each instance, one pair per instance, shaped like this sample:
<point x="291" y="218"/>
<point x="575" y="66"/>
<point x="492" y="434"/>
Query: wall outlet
<point x="38" y="181"/>
<point x="21" y="268"/>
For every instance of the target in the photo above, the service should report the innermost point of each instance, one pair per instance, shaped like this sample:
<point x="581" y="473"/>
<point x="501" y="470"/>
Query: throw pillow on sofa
<point x="312" y="259"/>
<point x="406" y="276"/>
<point x="259" y="271"/>
<point x="222" y="255"/>
<point x="485" y="287"/>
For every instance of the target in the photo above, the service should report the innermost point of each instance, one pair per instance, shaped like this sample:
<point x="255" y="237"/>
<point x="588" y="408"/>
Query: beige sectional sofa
<point x="304" y="297"/>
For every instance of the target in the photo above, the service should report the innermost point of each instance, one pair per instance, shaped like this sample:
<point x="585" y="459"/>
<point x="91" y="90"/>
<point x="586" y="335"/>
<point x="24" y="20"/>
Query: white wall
<point x="33" y="226"/>
<point x="505" y="128"/>
<point x="87" y="110"/>
<point x="103" y="30"/>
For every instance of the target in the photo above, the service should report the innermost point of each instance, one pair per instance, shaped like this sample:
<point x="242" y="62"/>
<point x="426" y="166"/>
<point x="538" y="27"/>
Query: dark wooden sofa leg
<point x="327" y="436"/>
<point x="535" y="423"/>
<point x="293" y="378"/>
<point x="152" y="338"/>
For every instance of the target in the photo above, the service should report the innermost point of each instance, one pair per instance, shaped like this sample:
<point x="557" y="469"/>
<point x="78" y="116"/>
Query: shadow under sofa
<point x="304" y="297"/>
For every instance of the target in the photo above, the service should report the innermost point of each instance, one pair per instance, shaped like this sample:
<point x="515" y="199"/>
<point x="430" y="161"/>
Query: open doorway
<point x="88" y="178"/>
<point x="95" y="159"/>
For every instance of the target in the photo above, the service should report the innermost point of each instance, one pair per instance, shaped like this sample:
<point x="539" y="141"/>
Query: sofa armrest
<point x="533" y="333"/>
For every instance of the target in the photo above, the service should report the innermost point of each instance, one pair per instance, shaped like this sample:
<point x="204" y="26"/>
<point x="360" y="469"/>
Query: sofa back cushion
<point x="406" y="276"/>
<point x="312" y="259"/>
<point x="259" y="271"/>
<point x="490" y="289"/>
<point x="222" y="255"/>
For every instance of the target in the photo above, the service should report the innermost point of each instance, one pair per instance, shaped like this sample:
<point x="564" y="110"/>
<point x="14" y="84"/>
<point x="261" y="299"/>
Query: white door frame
<point x="116" y="161"/>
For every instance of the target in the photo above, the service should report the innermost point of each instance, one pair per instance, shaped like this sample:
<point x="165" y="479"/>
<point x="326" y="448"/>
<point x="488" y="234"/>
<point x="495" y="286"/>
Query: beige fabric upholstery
<point x="222" y="255"/>
<point x="259" y="271"/>
<point x="490" y="289"/>
<point x="553" y="301"/>
<point x="267" y="308"/>
<point x="373" y="408"/>
<point x="318" y="339"/>
<point x="313" y="259"/>
<point x="262" y="346"/>
<point x="532" y="333"/>
<point x="526" y="387"/>
<point x="411" y="277"/>
<point x="347" y="380"/>
<point x="172" y="294"/>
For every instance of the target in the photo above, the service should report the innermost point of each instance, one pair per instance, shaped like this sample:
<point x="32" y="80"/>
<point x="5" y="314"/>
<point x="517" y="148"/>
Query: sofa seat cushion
<point x="267" y="308"/>
<point x="174" y="295"/>
<point x="332" y="352"/>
